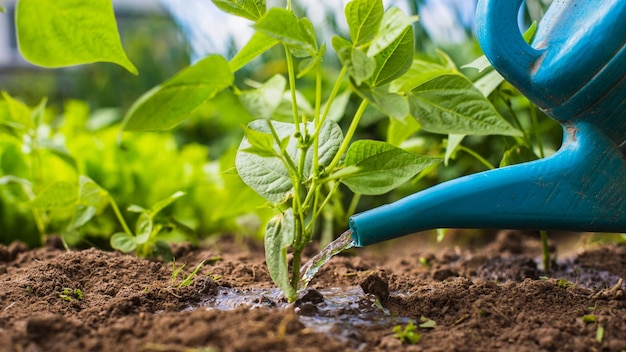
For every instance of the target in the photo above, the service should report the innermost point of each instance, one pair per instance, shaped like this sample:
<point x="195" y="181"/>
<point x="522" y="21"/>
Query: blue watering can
<point x="575" y="71"/>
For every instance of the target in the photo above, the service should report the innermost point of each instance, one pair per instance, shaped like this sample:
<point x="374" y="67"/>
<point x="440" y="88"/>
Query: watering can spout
<point x="576" y="189"/>
<point x="575" y="71"/>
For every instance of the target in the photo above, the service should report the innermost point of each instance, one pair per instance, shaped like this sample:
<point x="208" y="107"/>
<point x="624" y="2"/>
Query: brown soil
<point x="490" y="298"/>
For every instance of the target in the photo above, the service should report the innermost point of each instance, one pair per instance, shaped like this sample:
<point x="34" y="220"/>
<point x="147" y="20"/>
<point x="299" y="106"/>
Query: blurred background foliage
<point x="78" y="133"/>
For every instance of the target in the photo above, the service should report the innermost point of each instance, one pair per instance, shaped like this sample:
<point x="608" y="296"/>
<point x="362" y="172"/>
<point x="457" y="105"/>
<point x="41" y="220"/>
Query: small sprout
<point x="29" y="289"/>
<point x="424" y="261"/>
<point x="563" y="283"/>
<point x="408" y="335"/>
<point x="589" y="318"/>
<point x="427" y="323"/>
<point x="68" y="294"/>
<point x="189" y="278"/>
<point x="600" y="334"/>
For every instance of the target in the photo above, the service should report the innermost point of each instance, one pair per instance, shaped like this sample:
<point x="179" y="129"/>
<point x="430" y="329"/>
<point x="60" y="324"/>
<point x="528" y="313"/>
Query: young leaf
<point x="19" y="114"/>
<point x="144" y="228"/>
<point x="394" y="25"/>
<point x="390" y="104"/>
<point x="279" y="236"/>
<point x="90" y="193"/>
<point x="257" y="45"/>
<point x="517" y="155"/>
<point x="250" y="9"/>
<point x="268" y="176"/>
<point x="420" y="72"/>
<point x="56" y="33"/>
<point x="453" y="142"/>
<point x="382" y="167"/>
<point x="263" y="101"/>
<point x="283" y="25"/>
<point x="395" y="59"/>
<point x="363" y="17"/>
<point x="451" y="104"/>
<point x="261" y="143"/>
<point x="162" y="204"/>
<point x="123" y="242"/>
<point x="58" y="195"/>
<point x="401" y="129"/>
<point x="167" y="105"/>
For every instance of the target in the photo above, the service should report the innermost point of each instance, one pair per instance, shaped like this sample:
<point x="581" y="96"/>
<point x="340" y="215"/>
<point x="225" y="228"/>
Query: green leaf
<point x="395" y="59"/>
<point x="162" y="204"/>
<point x="363" y="17"/>
<point x="420" y="72"/>
<point x="488" y="83"/>
<point x="454" y="140"/>
<point x="517" y="155"/>
<point x="393" y="26"/>
<point x="451" y="104"/>
<point x="390" y="104"/>
<point x="400" y="130"/>
<point x="144" y="228"/>
<point x="268" y="176"/>
<point x="283" y="25"/>
<point x="123" y="242"/>
<point x="90" y="193"/>
<point x="360" y="66"/>
<point x="250" y="9"/>
<point x="263" y="101"/>
<point x="257" y="45"/>
<point x="382" y="167"/>
<point x="58" y="195"/>
<point x="57" y="33"/>
<point x="338" y="108"/>
<point x="261" y="143"/>
<point x="167" y="105"/>
<point x="19" y="114"/>
<point x="279" y="236"/>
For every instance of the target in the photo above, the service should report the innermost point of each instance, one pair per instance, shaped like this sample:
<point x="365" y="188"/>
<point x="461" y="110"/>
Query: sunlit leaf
<point x="56" y="33"/>
<point x="382" y="167"/>
<point x="391" y="104"/>
<point x="395" y="59"/>
<point x="279" y="236"/>
<point x="363" y="17"/>
<point x="393" y="26"/>
<point x="167" y="105"/>
<point x="58" y="195"/>
<point x="451" y="104"/>
<point x="420" y="72"/>
<point x="257" y="45"/>
<point x="401" y="129"/>
<point x="283" y="25"/>
<point x="250" y="9"/>
<point x="263" y="101"/>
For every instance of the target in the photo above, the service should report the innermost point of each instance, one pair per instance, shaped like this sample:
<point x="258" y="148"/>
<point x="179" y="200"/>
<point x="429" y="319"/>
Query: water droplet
<point x="308" y="270"/>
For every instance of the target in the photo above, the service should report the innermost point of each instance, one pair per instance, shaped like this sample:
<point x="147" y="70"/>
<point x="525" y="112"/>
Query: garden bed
<point x="468" y="298"/>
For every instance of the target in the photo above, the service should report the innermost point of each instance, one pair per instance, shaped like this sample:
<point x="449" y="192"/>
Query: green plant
<point x="408" y="335"/>
<point x="68" y="294"/>
<point x="189" y="278"/>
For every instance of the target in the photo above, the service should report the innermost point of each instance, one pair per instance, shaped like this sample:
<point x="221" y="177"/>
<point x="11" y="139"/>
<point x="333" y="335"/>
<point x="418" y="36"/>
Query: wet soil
<point x="490" y="296"/>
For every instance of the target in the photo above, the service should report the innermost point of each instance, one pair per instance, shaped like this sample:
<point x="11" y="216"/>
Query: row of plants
<point x="306" y="160"/>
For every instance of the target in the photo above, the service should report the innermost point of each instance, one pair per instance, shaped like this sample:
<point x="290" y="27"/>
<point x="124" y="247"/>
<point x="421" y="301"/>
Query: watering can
<point x="575" y="71"/>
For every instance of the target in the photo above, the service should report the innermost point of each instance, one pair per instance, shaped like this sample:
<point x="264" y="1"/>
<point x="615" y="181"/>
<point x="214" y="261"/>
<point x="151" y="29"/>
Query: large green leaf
<point x="420" y="72"/>
<point x="167" y="105"/>
<point x="393" y="26"/>
<point x="283" y="25"/>
<point x="267" y="175"/>
<point x="56" y="33"/>
<point x="364" y="17"/>
<point x="382" y="167"/>
<point x="257" y="45"/>
<point x="58" y="195"/>
<point x="279" y="236"/>
<point x="451" y="104"/>
<point x="263" y="101"/>
<point x="250" y="9"/>
<point x="395" y="59"/>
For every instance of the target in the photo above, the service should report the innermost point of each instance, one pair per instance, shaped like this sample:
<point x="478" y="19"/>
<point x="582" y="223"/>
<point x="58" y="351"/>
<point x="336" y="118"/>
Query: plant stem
<point x="535" y="123"/>
<point x="477" y="156"/>
<point x="330" y="100"/>
<point x="292" y="88"/>
<point x="346" y="141"/>
<point x="119" y="216"/>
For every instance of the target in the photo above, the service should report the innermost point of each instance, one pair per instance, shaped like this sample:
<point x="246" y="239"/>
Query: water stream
<point x="308" y="270"/>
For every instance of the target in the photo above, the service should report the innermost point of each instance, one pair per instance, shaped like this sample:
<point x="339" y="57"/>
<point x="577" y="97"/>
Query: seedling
<point x="68" y="294"/>
<point x="408" y="335"/>
<point x="189" y="278"/>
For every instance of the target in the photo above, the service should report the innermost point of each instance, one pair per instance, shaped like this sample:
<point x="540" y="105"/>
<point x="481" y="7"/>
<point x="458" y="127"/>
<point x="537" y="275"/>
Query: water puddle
<point x="339" y="312"/>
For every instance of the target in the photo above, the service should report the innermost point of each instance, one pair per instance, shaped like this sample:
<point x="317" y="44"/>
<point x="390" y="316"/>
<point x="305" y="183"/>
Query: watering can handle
<point x="503" y="44"/>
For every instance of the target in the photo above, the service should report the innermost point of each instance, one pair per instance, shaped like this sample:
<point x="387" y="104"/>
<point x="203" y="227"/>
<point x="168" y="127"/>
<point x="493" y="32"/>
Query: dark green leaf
<point x="279" y="236"/>
<point x="382" y="167"/>
<point x="393" y="26"/>
<point x="451" y="104"/>
<point x="395" y="59"/>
